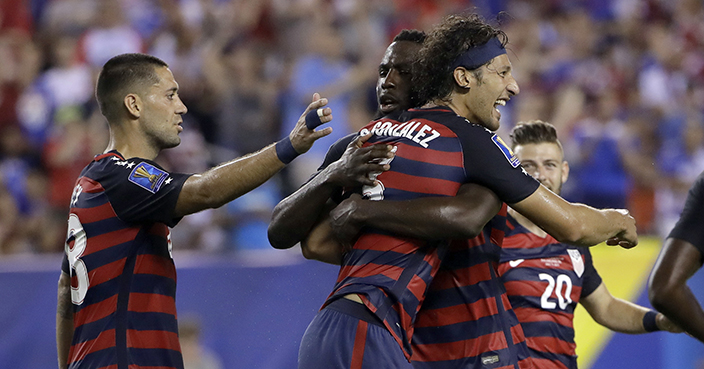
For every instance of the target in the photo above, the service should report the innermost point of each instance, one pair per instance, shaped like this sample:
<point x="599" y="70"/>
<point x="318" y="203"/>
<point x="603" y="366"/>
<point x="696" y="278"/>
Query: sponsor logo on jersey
<point x="577" y="261"/>
<point x="508" y="153"/>
<point x="148" y="177"/>
<point x="514" y="263"/>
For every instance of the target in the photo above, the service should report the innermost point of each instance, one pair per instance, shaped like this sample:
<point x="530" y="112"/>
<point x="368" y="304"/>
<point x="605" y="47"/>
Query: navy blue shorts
<point x="346" y="335"/>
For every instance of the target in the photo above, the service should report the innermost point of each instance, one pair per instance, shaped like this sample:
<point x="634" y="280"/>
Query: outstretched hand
<point x="301" y="136"/>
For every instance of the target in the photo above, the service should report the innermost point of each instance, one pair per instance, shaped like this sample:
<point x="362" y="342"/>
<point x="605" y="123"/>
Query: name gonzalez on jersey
<point x="408" y="130"/>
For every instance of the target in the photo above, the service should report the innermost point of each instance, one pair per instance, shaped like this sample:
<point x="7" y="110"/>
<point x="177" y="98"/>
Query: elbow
<point x="660" y="293"/>
<point x="307" y="252"/>
<point x="276" y="232"/>
<point x="276" y="240"/>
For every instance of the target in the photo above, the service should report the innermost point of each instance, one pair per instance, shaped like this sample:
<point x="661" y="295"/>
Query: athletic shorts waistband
<point x="356" y="310"/>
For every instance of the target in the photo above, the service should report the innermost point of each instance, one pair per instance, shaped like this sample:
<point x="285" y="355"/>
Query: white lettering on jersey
<point x="408" y="130"/>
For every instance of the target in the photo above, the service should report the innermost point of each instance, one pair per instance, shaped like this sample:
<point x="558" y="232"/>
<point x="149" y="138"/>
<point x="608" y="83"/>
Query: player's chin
<point x="171" y="142"/>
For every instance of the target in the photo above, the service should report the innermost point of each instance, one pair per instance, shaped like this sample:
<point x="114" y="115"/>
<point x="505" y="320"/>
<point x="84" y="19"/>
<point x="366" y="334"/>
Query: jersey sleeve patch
<point x="148" y="177"/>
<point x="577" y="262"/>
<point x="508" y="153"/>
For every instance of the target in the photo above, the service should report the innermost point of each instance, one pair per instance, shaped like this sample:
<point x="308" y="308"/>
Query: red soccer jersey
<point x="545" y="280"/>
<point x="118" y="254"/>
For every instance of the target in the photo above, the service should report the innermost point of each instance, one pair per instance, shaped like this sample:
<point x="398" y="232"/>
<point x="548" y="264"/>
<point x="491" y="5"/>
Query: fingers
<point x="321" y="133"/>
<point x="360" y="140"/>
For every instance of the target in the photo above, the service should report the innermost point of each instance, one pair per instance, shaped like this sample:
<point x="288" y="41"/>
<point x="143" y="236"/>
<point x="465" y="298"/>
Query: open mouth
<point x="499" y="102"/>
<point x="387" y="102"/>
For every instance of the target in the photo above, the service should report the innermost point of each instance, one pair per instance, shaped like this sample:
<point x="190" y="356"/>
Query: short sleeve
<point x="334" y="154"/>
<point x="336" y="151"/>
<point x="689" y="226"/>
<point x="141" y="191"/>
<point x="491" y="163"/>
<point x="591" y="279"/>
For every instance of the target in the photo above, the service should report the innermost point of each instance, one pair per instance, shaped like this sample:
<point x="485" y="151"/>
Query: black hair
<point x="412" y="35"/>
<point x="534" y="132"/>
<point x="446" y="42"/>
<point x="121" y="75"/>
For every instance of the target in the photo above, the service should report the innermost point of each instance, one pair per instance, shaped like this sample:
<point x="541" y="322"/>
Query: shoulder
<point x="112" y="170"/>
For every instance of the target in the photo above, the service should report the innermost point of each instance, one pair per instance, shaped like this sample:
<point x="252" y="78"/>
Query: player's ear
<point x="133" y="104"/>
<point x="565" y="171"/>
<point x="463" y="77"/>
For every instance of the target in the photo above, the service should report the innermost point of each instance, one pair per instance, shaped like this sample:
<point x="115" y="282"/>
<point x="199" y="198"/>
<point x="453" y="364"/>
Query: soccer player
<point x="389" y="273"/>
<point x="295" y="215"/>
<point x="545" y="279"/>
<point x="681" y="256"/>
<point x="116" y="292"/>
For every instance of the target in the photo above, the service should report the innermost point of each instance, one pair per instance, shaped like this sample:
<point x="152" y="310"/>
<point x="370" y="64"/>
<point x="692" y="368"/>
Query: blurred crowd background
<point x="623" y="80"/>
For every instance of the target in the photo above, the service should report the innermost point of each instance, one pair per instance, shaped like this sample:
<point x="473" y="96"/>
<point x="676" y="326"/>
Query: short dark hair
<point x="120" y="75"/>
<point x="412" y="35"/>
<point x="534" y="132"/>
<point x="444" y="44"/>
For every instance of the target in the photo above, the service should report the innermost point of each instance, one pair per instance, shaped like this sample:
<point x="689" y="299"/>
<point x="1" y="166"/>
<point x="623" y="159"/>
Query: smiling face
<point x="544" y="161"/>
<point x="393" y="88"/>
<point x="494" y="85"/>
<point x="161" y="118"/>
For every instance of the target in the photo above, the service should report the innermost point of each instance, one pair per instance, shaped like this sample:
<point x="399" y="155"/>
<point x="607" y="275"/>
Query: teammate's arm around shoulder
<point x="227" y="181"/>
<point x="578" y="224"/>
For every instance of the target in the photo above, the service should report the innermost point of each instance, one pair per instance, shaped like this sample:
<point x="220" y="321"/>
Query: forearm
<point x="64" y="321"/>
<point x="428" y="219"/>
<point x="228" y="181"/>
<point x="296" y="215"/>
<point x="321" y="245"/>
<point x="432" y="218"/>
<point x="681" y="306"/>
<point x="668" y="290"/>
<point x="595" y="225"/>
<point x="623" y="316"/>
<point x="576" y="224"/>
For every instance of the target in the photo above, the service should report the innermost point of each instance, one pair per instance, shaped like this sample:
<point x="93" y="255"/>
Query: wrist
<point x="650" y="321"/>
<point x="285" y="150"/>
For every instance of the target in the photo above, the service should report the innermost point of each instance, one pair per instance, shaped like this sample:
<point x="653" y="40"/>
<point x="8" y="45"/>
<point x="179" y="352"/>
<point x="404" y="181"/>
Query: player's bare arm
<point x="668" y="290"/>
<point x="294" y="216"/>
<point x="459" y="217"/>
<point x="620" y="315"/>
<point x="227" y="181"/>
<point x="320" y="244"/>
<point x="64" y="320"/>
<point x="578" y="224"/>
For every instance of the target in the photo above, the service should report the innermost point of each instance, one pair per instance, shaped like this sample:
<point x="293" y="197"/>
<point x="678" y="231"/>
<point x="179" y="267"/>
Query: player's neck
<point x="130" y="145"/>
<point x="527" y="224"/>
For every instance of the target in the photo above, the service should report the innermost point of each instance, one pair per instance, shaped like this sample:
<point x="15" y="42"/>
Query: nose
<point x="391" y="79"/>
<point x="513" y="87"/>
<point x="181" y="108"/>
<point x="541" y="174"/>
